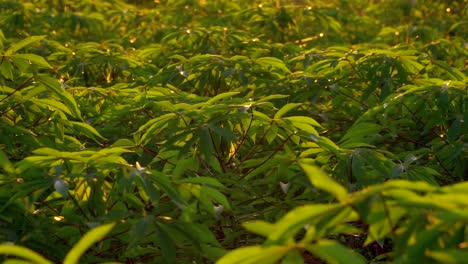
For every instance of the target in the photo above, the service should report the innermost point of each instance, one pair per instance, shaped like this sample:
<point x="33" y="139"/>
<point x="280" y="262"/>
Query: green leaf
<point x="22" y="252"/>
<point x="296" y="219"/>
<point x="205" y="144"/>
<point x="254" y="255"/>
<point x="220" y="97"/>
<point x="90" y="238"/>
<point x="139" y="231"/>
<point x="86" y="129"/>
<point x="23" y="43"/>
<point x="5" y="163"/>
<point x="213" y="252"/>
<point x="455" y="73"/>
<point x="168" y="247"/>
<point x="54" y="104"/>
<point x="259" y="227"/>
<point x="286" y="108"/>
<point x="322" y="181"/>
<point x="6" y="69"/>
<point x="274" y="62"/>
<point x="150" y="190"/>
<point x="31" y="59"/>
<point x="154" y="126"/>
<point x="303" y="119"/>
<point x="449" y="256"/>
<point x="272" y="97"/>
<point x="162" y="182"/>
<point x="380" y="215"/>
<point x="293" y="257"/>
<point x="216" y="196"/>
<point x="67" y="98"/>
<point x="208" y="181"/>
<point x="335" y="253"/>
<point x="360" y="132"/>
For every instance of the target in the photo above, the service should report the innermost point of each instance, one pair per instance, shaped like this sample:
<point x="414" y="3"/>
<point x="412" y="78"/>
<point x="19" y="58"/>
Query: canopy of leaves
<point x="242" y="131"/>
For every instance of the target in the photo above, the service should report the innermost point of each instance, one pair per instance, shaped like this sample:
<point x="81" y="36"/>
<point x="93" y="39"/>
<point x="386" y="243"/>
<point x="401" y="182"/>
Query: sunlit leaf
<point x="90" y="238"/>
<point x="31" y="59"/>
<point x="259" y="227"/>
<point x="334" y="253"/>
<point x="254" y="254"/>
<point x="22" y="252"/>
<point x="320" y="180"/>
<point x="23" y="43"/>
<point x="286" y="108"/>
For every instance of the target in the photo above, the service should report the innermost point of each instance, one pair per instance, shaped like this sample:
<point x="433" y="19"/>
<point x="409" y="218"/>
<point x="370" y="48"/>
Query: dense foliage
<point x="327" y="131"/>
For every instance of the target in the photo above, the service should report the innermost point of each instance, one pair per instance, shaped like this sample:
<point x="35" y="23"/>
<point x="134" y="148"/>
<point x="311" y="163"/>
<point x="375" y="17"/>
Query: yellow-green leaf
<point x="322" y="181"/>
<point x="23" y="252"/>
<point x="86" y="242"/>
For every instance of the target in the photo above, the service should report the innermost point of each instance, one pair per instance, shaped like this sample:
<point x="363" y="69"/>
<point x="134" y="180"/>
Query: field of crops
<point x="171" y="131"/>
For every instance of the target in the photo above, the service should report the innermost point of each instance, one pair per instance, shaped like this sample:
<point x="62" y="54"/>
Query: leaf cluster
<point x="233" y="131"/>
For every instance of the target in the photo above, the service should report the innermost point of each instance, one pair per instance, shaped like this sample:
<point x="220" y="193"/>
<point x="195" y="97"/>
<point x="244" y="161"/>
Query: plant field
<point x="191" y="131"/>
